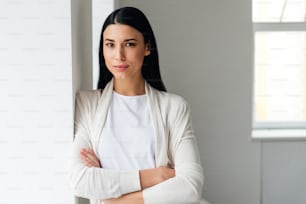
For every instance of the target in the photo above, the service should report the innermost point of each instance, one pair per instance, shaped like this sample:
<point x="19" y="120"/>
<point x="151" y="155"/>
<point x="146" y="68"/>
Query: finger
<point x="83" y="150"/>
<point x="83" y="155"/>
<point x="92" y="161"/>
<point x="85" y="159"/>
<point x="92" y="156"/>
<point x="88" y="162"/>
<point x="92" y="153"/>
<point x="86" y="153"/>
<point x="97" y="161"/>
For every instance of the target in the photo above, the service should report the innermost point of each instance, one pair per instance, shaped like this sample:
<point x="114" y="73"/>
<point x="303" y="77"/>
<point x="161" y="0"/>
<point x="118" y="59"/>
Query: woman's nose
<point x="120" y="56"/>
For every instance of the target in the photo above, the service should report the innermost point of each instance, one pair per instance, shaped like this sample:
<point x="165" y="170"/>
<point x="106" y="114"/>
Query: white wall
<point x="36" y="120"/>
<point x="205" y="52"/>
<point x="284" y="167"/>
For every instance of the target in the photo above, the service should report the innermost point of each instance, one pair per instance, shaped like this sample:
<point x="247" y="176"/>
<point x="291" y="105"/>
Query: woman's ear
<point x="147" y="49"/>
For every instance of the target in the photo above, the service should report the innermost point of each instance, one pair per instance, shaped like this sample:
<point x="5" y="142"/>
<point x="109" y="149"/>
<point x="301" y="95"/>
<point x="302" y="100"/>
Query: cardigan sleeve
<point x="186" y="186"/>
<point x="95" y="183"/>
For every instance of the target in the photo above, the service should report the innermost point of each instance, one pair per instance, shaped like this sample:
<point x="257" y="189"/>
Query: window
<point x="280" y="64"/>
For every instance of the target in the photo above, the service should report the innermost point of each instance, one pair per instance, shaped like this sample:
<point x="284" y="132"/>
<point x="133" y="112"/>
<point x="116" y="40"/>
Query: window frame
<point x="284" y="129"/>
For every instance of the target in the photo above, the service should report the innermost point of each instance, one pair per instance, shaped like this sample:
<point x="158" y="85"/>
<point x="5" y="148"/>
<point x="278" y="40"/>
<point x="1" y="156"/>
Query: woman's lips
<point x="121" y="67"/>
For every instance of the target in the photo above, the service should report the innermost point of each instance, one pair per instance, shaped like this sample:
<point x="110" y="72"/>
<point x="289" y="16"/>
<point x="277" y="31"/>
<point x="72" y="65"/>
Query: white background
<point x="36" y="105"/>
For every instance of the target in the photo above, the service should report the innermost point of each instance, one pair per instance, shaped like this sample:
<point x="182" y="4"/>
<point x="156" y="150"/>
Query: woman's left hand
<point x="89" y="158"/>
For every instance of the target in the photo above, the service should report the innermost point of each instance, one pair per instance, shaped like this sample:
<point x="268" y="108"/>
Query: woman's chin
<point x="121" y="76"/>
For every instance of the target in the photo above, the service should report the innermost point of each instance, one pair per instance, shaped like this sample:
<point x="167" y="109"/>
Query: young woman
<point x="134" y="142"/>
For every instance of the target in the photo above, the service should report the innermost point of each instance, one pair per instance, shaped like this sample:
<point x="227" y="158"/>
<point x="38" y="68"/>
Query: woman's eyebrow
<point x="126" y="40"/>
<point x="130" y="39"/>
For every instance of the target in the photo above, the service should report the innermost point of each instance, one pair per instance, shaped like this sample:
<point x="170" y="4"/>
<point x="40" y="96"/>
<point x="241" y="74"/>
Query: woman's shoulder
<point x="88" y="98"/>
<point x="89" y="94"/>
<point x="172" y="99"/>
<point x="173" y="107"/>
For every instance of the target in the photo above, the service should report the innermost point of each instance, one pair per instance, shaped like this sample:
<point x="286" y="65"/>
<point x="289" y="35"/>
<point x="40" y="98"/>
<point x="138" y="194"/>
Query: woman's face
<point x="124" y="51"/>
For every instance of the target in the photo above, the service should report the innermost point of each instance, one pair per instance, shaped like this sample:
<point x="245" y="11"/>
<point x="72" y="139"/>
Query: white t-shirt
<point x="127" y="140"/>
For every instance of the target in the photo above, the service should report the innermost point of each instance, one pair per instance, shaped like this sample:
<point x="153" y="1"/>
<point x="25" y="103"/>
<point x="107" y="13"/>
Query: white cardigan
<point x="176" y="146"/>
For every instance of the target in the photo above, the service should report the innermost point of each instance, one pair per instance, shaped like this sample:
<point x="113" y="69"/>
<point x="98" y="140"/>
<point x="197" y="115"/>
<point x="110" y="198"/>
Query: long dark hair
<point x="135" y="18"/>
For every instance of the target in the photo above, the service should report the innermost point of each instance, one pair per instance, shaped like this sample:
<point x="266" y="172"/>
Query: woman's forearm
<point x="131" y="198"/>
<point x="148" y="178"/>
<point x="151" y="177"/>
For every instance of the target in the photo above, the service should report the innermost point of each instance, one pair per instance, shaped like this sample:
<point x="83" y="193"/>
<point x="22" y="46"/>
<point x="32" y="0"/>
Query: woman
<point x="133" y="141"/>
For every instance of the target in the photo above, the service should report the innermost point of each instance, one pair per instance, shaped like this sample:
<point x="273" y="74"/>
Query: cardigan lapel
<point x="161" y="142"/>
<point x="101" y="113"/>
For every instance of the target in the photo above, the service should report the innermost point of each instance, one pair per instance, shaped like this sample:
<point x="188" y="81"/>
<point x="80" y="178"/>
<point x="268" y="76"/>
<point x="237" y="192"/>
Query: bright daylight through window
<point x="279" y="64"/>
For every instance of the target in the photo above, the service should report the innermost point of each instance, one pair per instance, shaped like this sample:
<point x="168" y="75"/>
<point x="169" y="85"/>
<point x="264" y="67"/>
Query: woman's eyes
<point x="129" y="44"/>
<point x="109" y="44"/>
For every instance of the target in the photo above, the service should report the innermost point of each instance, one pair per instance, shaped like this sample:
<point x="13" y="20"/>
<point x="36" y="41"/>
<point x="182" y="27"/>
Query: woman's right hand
<point x="89" y="158"/>
<point x="151" y="177"/>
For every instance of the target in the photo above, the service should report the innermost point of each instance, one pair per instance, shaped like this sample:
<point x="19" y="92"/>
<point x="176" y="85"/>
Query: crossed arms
<point x="148" y="178"/>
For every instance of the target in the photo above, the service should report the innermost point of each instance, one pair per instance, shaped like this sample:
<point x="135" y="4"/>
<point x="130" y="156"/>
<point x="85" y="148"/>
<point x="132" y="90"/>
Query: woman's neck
<point x="129" y="87"/>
